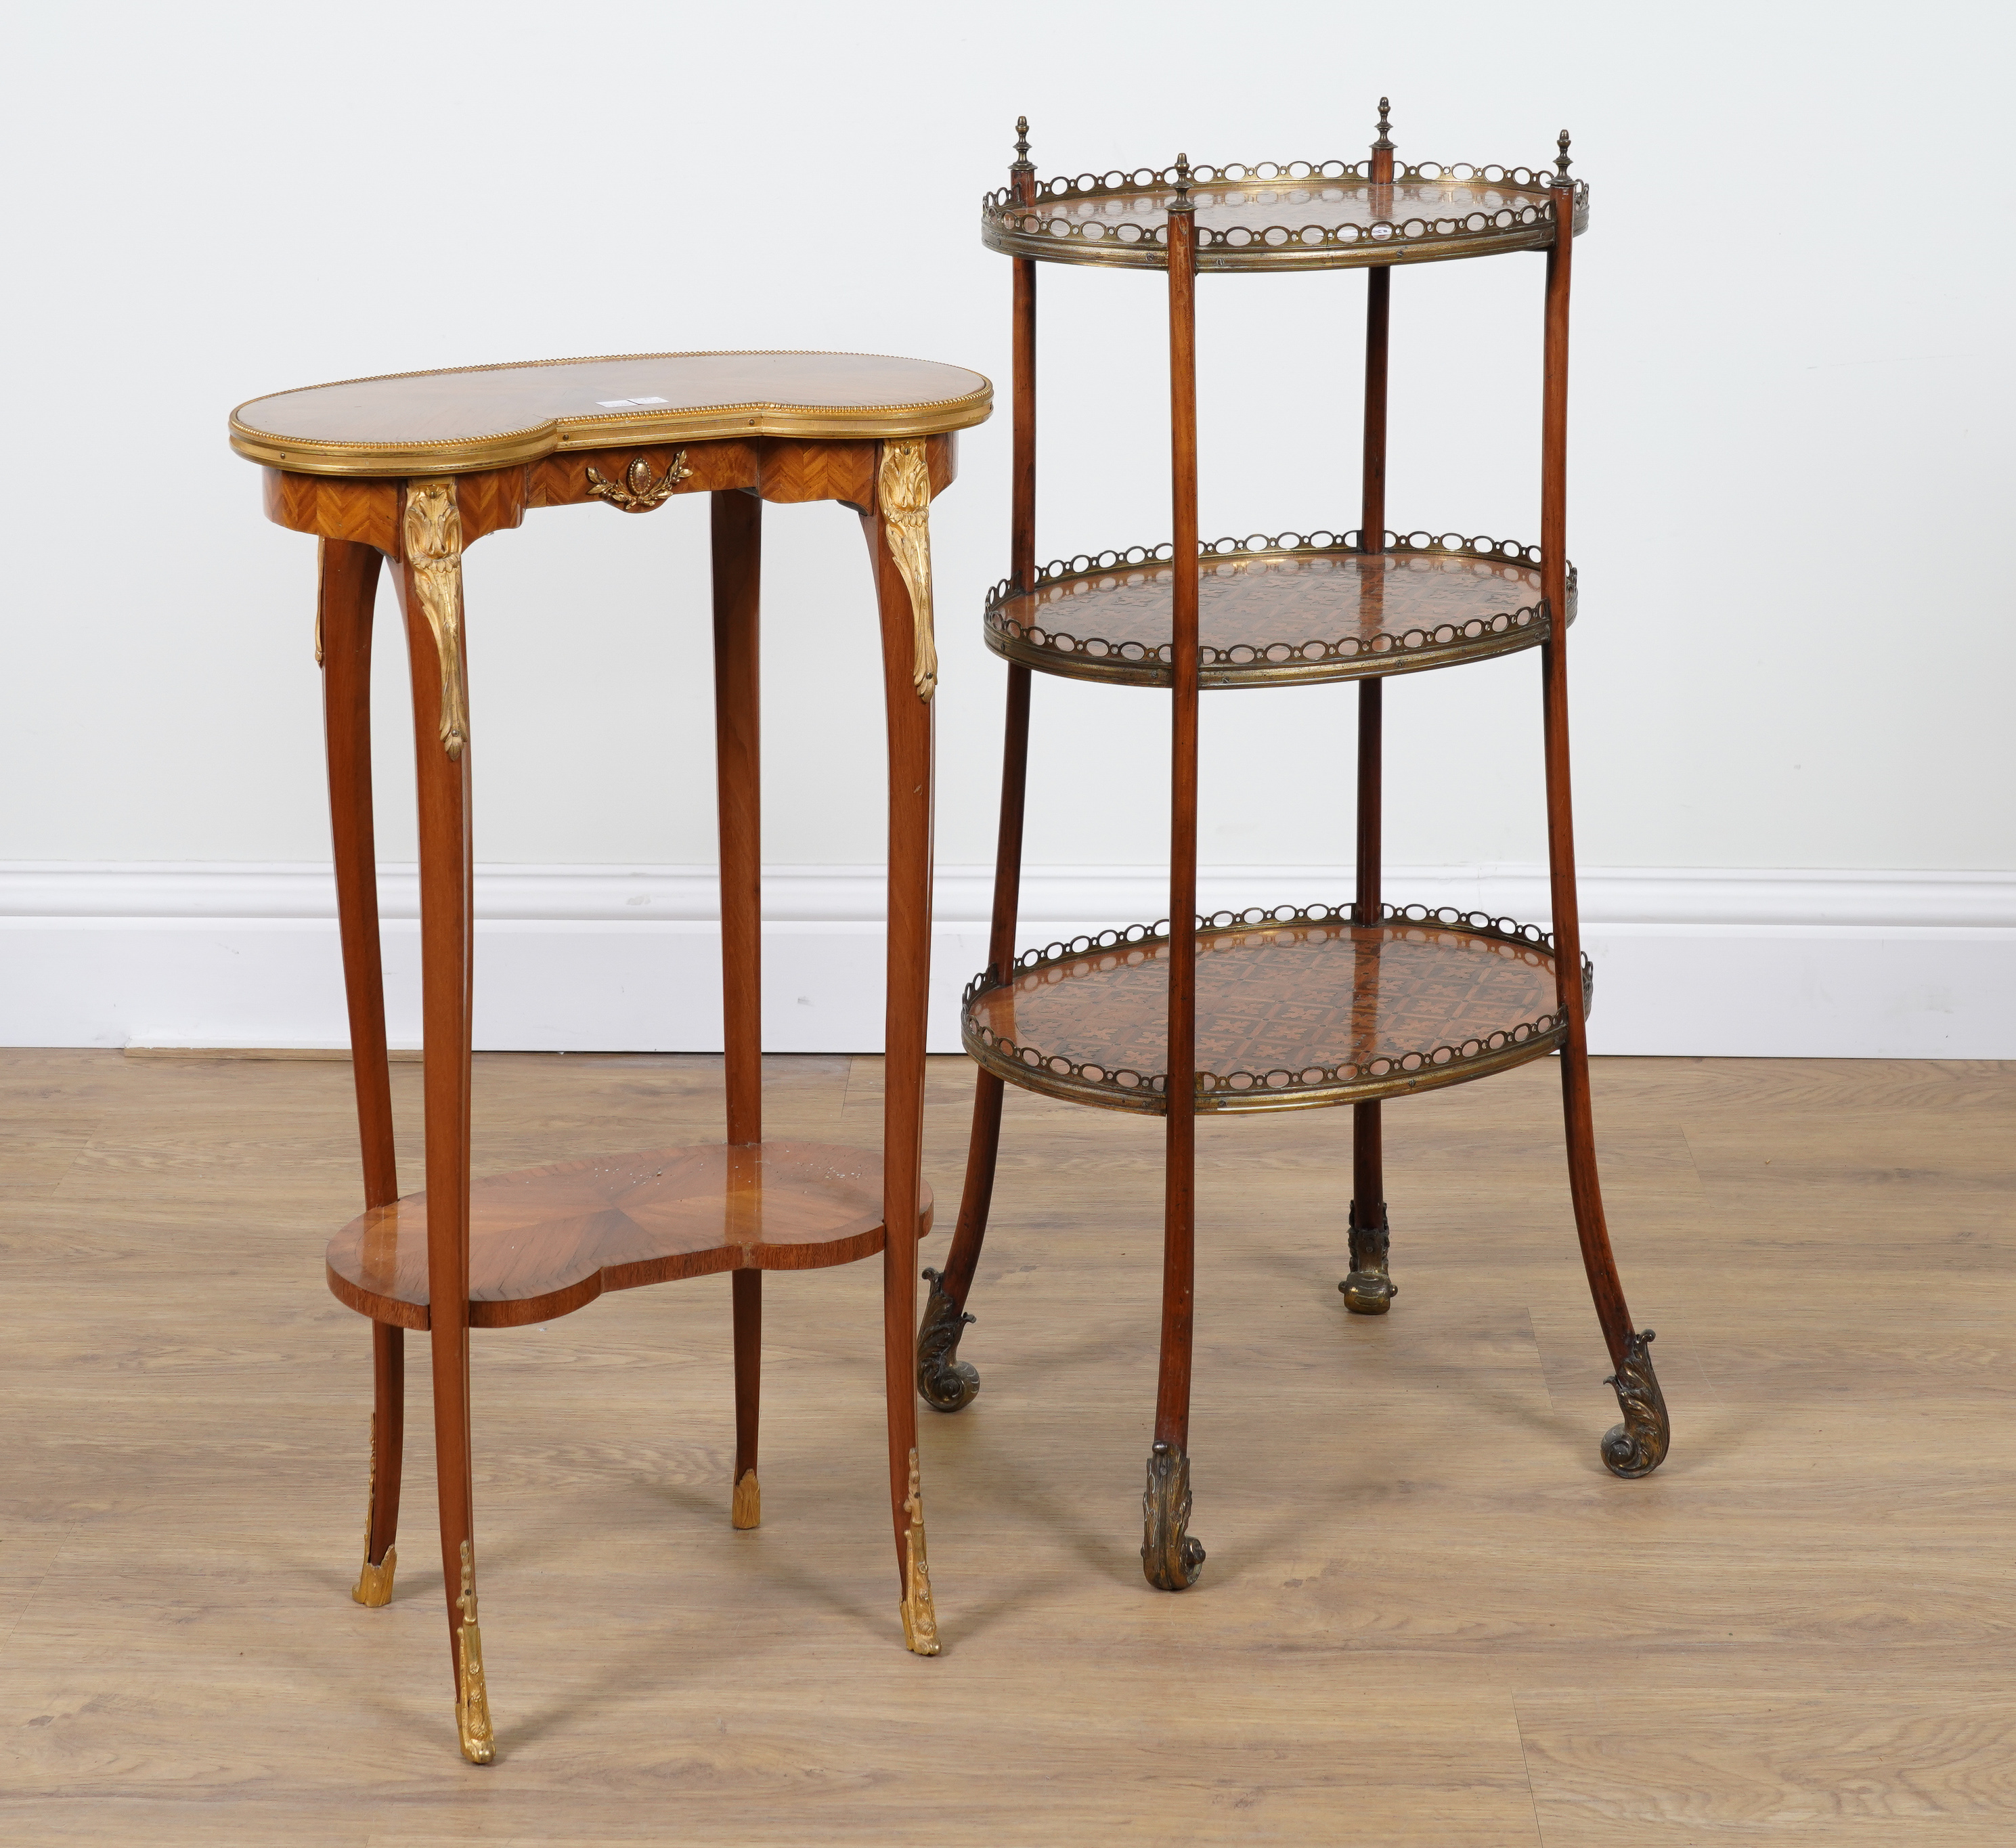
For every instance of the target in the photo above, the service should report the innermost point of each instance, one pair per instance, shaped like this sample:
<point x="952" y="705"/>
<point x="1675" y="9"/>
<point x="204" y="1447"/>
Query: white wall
<point x="1791" y="403"/>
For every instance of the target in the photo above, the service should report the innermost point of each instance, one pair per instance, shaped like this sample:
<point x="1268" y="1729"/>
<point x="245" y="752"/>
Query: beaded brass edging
<point x="1019" y="230"/>
<point x="449" y="456"/>
<point x="1314" y="1086"/>
<point x="1350" y="658"/>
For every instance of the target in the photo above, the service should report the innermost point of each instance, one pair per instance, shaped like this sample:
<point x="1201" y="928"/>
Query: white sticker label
<point x="624" y="404"/>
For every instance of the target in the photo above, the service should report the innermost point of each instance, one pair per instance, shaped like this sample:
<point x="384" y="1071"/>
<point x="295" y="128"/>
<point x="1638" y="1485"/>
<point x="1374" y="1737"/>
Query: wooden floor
<point x="1429" y="1616"/>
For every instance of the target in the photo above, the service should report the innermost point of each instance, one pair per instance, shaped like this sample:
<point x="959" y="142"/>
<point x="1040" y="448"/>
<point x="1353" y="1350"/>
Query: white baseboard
<point x="1777" y="963"/>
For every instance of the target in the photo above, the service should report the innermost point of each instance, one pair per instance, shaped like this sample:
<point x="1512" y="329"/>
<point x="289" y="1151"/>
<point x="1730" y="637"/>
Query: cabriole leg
<point x="947" y="1383"/>
<point x="347" y="592"/>
<point x="736" y="523"/>
<point x="1637" y="1445"/>
<point x="746" y="1509"/>
<point x="431" y="594"/>
<point x="899" y="536"/>
<point x="388" y="1429"/>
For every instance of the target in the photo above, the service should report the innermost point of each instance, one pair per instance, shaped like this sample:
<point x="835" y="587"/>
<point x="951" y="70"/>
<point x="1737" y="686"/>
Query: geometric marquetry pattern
<point x="1294" y="1005"/>
<point x="1291" y="607"/>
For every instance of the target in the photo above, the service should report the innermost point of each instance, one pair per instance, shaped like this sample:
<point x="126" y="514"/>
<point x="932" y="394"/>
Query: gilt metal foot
<point x="1369" y="1290"/>
<point x="920" y="1617"/>
<point x="1637" y="1446"/>
<point x="1171" y="1559"/>
<point x="373" y="1589"/>
<point x="472" y="1697"/>
<point x="746" y="1511"/>
<point x="945" y="1382"/>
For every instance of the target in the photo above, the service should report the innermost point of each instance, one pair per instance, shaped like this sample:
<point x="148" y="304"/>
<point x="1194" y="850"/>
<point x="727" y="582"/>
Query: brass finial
<point x="1023" y="163"/>
<point x="1383" y="143"/>
<point x="1182" y="202"/>
<point x="1561" y="161"/>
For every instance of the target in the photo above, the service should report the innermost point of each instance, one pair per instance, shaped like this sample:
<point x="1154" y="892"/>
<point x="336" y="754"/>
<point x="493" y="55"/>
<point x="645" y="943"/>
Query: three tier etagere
<point x="1285" y="1008"/>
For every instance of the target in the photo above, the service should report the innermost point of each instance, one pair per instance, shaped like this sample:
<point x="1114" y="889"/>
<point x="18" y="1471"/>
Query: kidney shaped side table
<point x="414" y="469"/>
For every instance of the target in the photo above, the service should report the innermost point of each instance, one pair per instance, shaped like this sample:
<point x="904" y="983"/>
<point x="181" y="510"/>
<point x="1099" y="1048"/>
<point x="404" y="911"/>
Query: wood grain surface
<point x="545" y="1241"/>
<point x="475" y="417"/>
<point x="1429" y="1616"/>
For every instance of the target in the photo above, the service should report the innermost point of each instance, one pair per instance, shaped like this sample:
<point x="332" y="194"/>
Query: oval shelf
<point x="545" y="1241"/>
<point x="1295" y="1007"/>
<point x="1271" y="611"/>
<point x="1293" y="214"/>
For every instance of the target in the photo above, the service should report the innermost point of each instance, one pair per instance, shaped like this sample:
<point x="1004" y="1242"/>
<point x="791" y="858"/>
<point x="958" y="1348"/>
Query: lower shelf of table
<point x="1296" y="1007"/>
<point x="545" y="1241"/>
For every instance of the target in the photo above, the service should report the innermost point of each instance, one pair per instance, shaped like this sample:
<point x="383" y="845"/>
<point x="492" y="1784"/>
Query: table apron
<point x="365" y="509"/>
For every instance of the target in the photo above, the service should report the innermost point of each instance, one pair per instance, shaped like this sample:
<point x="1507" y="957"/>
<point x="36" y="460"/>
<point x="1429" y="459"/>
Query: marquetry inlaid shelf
<point x="1293" y="607"/>
<point x="545" y="1241"/>
<point x="1296" y="1006"/>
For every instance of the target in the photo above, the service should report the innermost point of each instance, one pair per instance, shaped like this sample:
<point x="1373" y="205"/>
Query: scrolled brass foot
<point x="945" y="1382"/>
<point x="1171" y="1559"/>
<point x="472" y="1698"/>
<point x="920" y="1617"/>
<point x="1637" y="1446"/>
<point x="1369" y="1290"/>
<point x="747" y="1511"/>
<point x="374" y="1583"/>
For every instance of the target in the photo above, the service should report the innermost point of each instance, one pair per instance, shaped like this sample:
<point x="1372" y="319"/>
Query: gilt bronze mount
<point x="1170" y="1558"/>
<point x="1369" y="1289"/>
<point x="637" y="493"/>
<point x="1637" y="1446"/>
<point x="945" y="1382"/>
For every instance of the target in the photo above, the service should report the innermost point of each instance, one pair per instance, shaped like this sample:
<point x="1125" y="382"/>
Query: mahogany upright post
<point x="945" y="1382"/>
<point x="1369" y="1290"/>
<point x="1638" y="1446"/>
<point x="736" y="522"/>
<point x="347" y="592"/>
<point x="1169" y="1557"/>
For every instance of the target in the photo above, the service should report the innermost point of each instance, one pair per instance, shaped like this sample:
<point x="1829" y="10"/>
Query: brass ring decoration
<point x="637" y="493"/>
<point x="1096" y="658"/>
<point x="433" y="532"/>
<point x="1519" y="222"/>
<point x="1120" y="1089"/>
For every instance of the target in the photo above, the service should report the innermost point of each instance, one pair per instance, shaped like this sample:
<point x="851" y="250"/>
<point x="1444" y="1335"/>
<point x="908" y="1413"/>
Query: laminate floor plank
<point x="1429" y="1616"/>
